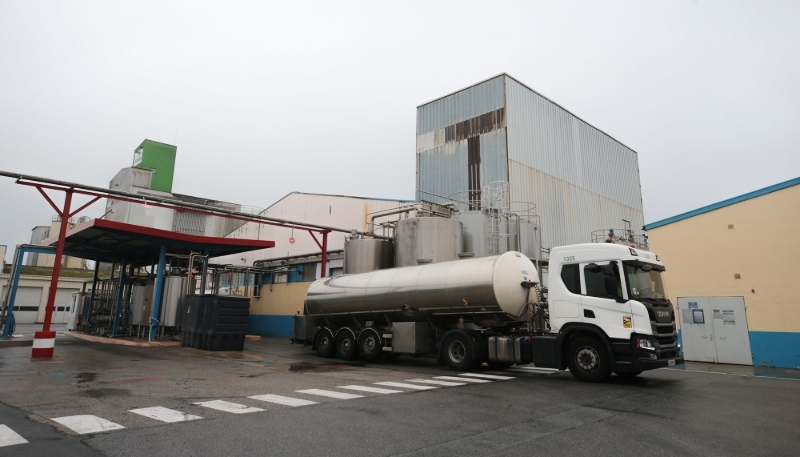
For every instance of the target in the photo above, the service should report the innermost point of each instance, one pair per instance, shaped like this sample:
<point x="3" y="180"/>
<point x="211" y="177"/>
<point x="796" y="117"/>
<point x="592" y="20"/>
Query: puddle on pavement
<point x="85" y="377"/>
<point x="102" y="393"/>
<point x="300" y="367"/>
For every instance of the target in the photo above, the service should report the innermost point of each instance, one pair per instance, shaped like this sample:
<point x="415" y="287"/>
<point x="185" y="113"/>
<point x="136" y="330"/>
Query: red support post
<point x="44" y="341"/>
<point x="324" y="263"/>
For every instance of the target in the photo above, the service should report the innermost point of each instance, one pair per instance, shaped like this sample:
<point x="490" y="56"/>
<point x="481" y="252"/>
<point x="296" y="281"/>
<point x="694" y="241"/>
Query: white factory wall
<point x="328" y="210"/>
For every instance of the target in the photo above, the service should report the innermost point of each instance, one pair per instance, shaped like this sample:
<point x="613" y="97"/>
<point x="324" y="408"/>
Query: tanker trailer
<point x="410" y="310"/>
<point x="607" y="312"/>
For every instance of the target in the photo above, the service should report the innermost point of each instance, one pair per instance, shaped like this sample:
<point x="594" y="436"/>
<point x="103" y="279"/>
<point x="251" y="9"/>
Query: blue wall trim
<point x="724" y="203"/>
<point x="281" y="326"/>
<point x="775" y="349"/>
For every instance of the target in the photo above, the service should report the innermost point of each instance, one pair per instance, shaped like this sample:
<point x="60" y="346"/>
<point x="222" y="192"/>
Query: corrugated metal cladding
<point x="329" y="210"/>
<point x="579" y="178"/>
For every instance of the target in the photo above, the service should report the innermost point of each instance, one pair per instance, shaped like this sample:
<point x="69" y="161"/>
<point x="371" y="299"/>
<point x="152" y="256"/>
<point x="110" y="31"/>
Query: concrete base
<point x="122" y="341"/>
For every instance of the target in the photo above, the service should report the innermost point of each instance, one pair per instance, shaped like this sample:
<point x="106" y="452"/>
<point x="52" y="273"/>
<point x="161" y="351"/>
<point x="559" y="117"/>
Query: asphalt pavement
<point x="280" y="399"/>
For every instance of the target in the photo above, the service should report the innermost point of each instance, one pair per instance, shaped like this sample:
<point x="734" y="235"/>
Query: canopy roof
<point x="109" y="241"/>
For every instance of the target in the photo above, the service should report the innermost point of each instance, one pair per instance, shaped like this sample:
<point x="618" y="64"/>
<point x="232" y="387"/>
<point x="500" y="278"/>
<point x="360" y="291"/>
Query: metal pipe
<point x="168" y="202"/>
<point x="120" y="295"/>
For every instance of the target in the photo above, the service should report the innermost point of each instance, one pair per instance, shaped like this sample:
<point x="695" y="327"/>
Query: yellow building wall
<point x="283" y="299"/>
<point x="703" y="255"/>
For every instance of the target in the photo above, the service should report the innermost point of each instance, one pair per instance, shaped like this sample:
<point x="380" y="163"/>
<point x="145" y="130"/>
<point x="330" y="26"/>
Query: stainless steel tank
<point x="489" y="287"/>
<point x="366" y="254"/>
<point x="427" y="240"/>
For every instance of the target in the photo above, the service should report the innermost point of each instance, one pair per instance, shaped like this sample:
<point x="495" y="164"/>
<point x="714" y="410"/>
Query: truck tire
<point x="346" y="346"/>
<point x="588" y="360"/>
<point x="324" y="344"/>
<point x="370" y="346"/>
<point x="458" y="353"/>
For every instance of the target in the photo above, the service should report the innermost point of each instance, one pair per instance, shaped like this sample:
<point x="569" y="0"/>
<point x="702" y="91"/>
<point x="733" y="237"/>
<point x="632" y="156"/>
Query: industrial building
<point x="151" y="174"/>
<point x="728" y="273"/>
<point x="501" y="134"/>
<point x="34" y="285"/>
<point x="516" y="170"/>
<point x="42" y="232"/>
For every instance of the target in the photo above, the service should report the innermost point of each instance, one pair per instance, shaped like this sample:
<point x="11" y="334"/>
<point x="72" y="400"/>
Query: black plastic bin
<point x="215" y="322"/>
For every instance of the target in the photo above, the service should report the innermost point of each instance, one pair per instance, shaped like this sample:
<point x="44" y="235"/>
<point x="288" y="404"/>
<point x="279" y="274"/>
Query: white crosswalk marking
<point x="537" y="370"/>
<point x="288" y="401"/>
<point x="453" y="378"/>
<point x="405" y="385"/>
<point x="87" y="423"/>
<point x="9" y="437"/>
<point x="375" y="390"/>
<point x="165" y="414"/>
<point x="438" y="383"/>
<point x="487" y="376"/>
<point x="228" y="407"/>
<point x="329" y="393"/>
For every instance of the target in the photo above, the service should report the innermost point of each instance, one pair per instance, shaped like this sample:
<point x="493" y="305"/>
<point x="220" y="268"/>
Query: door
<point x="730" y="330"/>
<point x="604" y="302"/>
<point x="26" y="304"/>
<point x="714" y="329"/>
<point x="62" y="306"/>
<point x="697" y="330"/>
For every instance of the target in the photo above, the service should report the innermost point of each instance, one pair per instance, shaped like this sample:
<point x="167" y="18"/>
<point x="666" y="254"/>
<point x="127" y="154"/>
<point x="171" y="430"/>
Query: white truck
<point x="605" y="311"/>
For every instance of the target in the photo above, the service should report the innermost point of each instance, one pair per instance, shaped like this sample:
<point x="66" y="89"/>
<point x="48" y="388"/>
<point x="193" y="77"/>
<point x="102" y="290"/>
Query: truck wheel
<point x="588" y="360"/>
<point x="346" y="346"/>
<point x="458" y="352"/>
<point x="324" y="343"/>
<point x="370" y="346"/>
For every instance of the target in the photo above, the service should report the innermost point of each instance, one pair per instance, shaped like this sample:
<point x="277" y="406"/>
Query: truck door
<point x="604" y="301"/>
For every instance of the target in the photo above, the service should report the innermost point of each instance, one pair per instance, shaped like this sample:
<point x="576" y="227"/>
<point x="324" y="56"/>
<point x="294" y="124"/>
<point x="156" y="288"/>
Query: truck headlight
<point x="647" y="344"/>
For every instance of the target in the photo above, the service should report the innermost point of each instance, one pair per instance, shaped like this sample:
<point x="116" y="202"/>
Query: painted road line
<point x="288" y="401"/>
<point x="375" y="390"/>
<point x="228" y="407"/>
<point x="405" y="386"/>
<point x="87" y="423"/>
<point x="329" y="393"/>
<point x="487" y="376"/>
<point x="453" y="378"/>
<point x="9" y="437"/>
<point x="162" y="414"/>
<point x="438" y="383"/>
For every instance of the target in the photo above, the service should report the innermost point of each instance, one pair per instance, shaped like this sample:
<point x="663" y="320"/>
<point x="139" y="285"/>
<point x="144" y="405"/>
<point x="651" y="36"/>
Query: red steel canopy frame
<point x="44" y="341"/>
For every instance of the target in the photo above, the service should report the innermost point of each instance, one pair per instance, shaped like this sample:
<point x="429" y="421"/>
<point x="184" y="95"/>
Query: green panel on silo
<point x="160" y="157"/>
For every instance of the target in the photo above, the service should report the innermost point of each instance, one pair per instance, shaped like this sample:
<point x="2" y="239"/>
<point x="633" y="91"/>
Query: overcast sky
<point x="267" y="98"/>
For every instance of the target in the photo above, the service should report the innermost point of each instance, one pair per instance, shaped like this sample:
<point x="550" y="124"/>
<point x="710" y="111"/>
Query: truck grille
<point x="665" y="335"/>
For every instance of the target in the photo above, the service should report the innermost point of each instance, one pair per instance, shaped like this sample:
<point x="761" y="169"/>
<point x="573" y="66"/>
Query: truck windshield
<point x="644" y="284"/>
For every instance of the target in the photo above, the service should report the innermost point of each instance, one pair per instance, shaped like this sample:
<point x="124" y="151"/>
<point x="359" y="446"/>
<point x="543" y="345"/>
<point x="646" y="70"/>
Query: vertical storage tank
<point x="422" y="240"/>
<point x="366" y="254"/>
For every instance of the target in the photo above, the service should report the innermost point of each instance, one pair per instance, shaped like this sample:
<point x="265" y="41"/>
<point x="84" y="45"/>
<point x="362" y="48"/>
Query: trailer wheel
<point x="458" y="352"/>
<point x="346" y="346"/>
<point x="588" y="360"/>
<point x="370" y="346"/>
<point x="324" y="343"/>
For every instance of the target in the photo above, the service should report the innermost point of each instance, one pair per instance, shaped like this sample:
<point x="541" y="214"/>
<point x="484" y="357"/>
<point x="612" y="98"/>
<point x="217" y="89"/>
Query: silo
<point x="366" y="254"/>
<point x="427" y="240"/>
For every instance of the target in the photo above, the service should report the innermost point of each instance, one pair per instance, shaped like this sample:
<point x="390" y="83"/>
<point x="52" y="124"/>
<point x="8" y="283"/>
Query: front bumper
<point x="645" y="362"/>
<point x="630" y="357"/>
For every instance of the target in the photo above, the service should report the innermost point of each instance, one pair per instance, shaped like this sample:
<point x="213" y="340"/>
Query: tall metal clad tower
<point x="500" y="130"/>
<point x="152" y="155"/>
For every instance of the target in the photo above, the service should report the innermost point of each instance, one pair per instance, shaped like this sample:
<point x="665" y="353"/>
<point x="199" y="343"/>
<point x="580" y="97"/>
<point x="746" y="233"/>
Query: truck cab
<point x="609" y="310"/>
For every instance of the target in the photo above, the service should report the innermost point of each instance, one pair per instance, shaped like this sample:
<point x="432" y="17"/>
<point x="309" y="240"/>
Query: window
<point x="570" y="274"/>
<point x="603" y="280"/>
